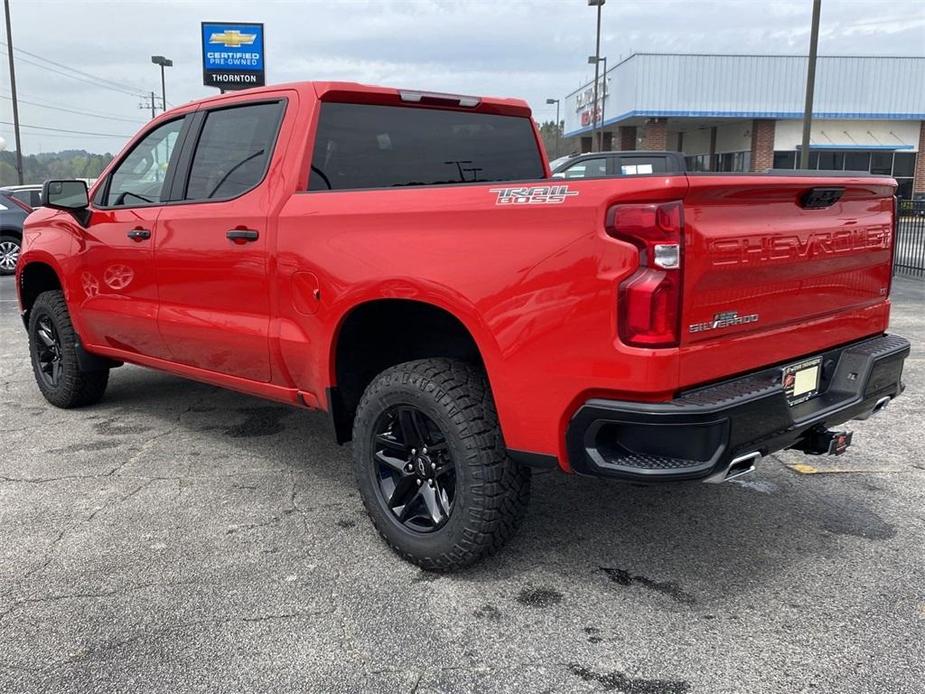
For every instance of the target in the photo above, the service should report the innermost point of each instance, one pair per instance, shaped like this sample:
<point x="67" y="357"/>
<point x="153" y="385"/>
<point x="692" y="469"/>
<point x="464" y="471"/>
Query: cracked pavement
<point x="181" y="538"/>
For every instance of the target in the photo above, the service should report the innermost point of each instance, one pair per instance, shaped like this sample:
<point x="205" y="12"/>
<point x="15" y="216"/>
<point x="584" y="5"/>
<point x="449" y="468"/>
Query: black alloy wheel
<point x="48" y="351"/>
<point x="431" y="465"/>
<point x="414" y="470"/>
<point x="53" y="346"/>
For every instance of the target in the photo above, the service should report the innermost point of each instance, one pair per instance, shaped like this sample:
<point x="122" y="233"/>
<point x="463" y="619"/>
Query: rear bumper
<point x="702" y="432"/>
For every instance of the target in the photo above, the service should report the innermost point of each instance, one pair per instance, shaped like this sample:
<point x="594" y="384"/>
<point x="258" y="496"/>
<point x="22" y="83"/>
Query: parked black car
<point x="626" y="163"/>
<point x="13" y="213"/>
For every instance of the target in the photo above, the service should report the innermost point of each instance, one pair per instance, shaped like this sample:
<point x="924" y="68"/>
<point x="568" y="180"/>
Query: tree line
<point x="37" y="168"/>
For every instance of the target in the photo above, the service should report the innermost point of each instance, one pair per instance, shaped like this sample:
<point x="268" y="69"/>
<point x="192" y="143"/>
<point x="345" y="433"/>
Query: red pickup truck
<point x="405" y="262"/>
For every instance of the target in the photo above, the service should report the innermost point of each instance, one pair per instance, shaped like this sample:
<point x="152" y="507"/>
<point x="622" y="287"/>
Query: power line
<point x="135" y="121"/>
<point x="102" y="81"/>
<point x="78" y="78"/>
<point x="65" y="130"/>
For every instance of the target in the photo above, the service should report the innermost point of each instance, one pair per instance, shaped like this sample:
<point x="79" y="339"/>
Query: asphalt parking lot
<point x="177" y="537"/>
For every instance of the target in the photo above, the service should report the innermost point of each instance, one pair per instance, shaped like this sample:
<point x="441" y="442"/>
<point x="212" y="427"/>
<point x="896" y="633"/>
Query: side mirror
<point x="70" y="196"/>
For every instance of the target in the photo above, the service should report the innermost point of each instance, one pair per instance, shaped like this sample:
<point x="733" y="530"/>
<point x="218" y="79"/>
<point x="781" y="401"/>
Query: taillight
<point x="650" y="299"/>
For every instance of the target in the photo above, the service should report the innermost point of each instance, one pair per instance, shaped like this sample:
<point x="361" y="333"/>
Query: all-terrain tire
<point x="491" y="491"/>
<point x="73" y="387"/>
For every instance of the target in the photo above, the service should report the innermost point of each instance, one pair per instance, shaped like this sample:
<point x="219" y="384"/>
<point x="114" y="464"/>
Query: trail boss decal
<point x="723" y="320"/>
<point x="533" y="195"/>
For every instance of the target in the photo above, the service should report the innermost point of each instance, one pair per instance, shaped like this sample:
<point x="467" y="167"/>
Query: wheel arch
<point x="376" y="334"/>
<point x="35" y="277"/>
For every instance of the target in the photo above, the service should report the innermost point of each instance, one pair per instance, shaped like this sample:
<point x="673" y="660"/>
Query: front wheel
<point x="53" y="347"/>
<point x="431" y="465"/>
<point x="9" y="254"/>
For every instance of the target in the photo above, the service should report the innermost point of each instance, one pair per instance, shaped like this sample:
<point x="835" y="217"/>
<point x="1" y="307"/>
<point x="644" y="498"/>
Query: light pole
<point x="597" y="54"/>
<point x="810" y="85"/>
<point x="594" y="60"/>
<point x="556" y="102"/>
<point x="163" y="62"/>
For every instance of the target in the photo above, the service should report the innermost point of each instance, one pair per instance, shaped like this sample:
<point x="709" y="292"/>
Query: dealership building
<point x="744" y="112"/>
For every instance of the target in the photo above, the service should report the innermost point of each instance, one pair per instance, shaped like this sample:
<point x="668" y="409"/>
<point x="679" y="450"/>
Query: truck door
<point x="116" y="285"/>
<point x="212" y="247"/>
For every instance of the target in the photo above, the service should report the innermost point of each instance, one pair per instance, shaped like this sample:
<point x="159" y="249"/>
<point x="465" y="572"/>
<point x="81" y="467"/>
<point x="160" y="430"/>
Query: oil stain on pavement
<point x="672" y="590"/>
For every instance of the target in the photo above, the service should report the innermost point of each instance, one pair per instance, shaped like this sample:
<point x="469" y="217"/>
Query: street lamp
<point x="594" y="60"/>
<point x="597" y="54"/>
<point x="556" y="102"/>
<point x="163" y="62"/>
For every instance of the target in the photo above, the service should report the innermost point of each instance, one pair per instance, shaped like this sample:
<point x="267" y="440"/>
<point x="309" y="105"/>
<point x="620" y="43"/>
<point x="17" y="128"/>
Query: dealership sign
<point x="584" y="103"/>
<point x="232" y="55"/>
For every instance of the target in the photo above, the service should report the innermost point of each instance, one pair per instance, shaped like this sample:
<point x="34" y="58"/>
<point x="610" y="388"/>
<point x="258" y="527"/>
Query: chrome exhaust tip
<point x="879" y="405"/>
<point x="741" y="465"/>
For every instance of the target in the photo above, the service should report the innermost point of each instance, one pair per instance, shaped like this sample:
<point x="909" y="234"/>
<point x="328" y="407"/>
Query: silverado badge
<point x="723" y="320"/>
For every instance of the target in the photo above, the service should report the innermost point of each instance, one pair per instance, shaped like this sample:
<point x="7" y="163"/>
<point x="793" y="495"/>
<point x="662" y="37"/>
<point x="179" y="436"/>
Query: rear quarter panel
<point x="535" y="284"/>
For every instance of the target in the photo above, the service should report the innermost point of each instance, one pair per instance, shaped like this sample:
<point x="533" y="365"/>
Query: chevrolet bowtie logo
<point x="232" y="38"/>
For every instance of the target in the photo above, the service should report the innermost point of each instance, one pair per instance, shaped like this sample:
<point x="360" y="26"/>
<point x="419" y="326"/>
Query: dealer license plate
<point x="801" y="380"/>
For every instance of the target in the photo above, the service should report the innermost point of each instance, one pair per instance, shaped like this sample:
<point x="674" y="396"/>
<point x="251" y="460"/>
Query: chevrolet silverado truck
<point x="405" y="262"/>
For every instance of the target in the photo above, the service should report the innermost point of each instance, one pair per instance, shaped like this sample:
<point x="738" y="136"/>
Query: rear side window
<point x="233" y="150"/>
<point x="365" y="146"/>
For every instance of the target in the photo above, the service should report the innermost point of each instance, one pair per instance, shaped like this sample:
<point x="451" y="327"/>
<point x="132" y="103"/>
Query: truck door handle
<point x="139" y="234"/>
<point x="242" y="235"/>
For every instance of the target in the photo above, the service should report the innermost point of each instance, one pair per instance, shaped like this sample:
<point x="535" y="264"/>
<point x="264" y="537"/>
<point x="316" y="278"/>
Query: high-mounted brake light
<point x="649" y="309"/>
<point x="458" y="99"/>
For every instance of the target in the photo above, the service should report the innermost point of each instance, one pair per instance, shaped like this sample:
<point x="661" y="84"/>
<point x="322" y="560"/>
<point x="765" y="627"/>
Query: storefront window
<point x="903" y="164"/>
<point x="881" y="163"/>
<point x="785" y="160"/>
<point x="832" y="161"/>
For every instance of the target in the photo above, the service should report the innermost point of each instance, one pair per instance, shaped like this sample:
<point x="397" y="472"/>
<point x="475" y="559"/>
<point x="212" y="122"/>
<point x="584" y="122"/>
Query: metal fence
<point x="910" y="239"/>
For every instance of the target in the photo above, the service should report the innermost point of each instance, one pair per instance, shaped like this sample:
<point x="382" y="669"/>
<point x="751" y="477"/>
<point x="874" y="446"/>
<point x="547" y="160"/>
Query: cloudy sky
<point x="531" y="49"/>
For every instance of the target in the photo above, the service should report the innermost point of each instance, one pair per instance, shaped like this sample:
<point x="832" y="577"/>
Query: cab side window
<point x="233" y="151"/>
<point x="139" y="178"/>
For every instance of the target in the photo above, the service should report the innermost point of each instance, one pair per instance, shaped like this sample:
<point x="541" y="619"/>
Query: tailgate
<point x="768" y="277"/>
<point x="758" y="256"/>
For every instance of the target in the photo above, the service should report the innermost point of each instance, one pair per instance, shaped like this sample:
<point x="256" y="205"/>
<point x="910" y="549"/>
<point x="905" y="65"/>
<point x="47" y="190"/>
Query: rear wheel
<point x="431" y="464"/>
<point x="53" y="347"/>
<point x="9" y="254"/>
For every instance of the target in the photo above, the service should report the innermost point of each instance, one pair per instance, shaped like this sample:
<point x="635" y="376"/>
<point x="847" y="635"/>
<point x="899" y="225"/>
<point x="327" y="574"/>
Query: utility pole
<point x="153" y="112"/>
<point x="9" y="50"/>
<point x="597" y="54"/>
<point x="810" y="85"/>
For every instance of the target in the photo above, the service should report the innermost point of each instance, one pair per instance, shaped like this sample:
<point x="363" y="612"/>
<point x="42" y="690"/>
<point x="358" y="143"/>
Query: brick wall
<point x="918" y="183"/>
<point x="762" y="145"/>
<point x="655" y="135"/>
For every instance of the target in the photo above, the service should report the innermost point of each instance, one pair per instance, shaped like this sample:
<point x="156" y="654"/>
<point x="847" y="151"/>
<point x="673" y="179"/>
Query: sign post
<point x="232" y="55"/>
